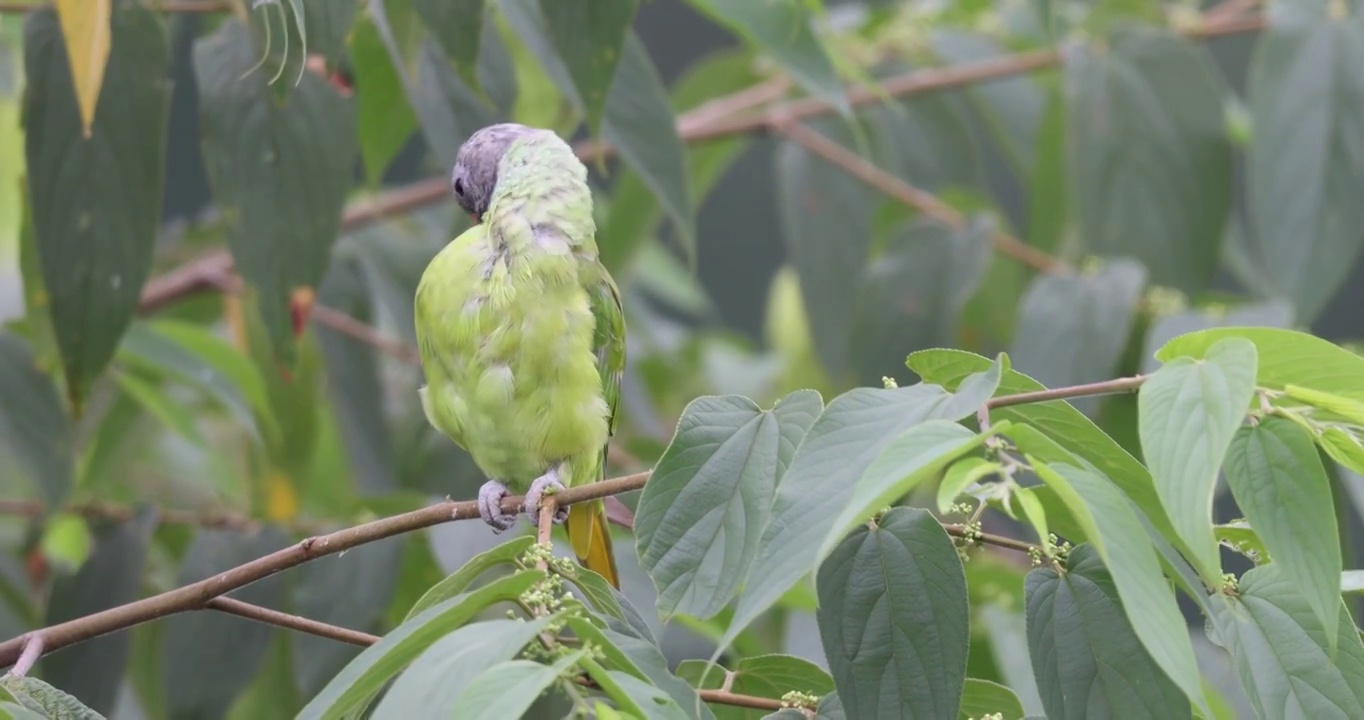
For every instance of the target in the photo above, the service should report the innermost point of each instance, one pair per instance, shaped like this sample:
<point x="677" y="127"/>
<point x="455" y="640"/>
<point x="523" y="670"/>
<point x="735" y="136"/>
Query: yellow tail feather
<point x="591" y="539"/>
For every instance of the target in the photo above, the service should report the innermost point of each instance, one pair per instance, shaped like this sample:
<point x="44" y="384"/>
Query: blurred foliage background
<point x="1073" y="182"/>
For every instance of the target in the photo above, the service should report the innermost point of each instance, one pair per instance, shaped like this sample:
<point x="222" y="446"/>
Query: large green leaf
<point x="1012" y="107"/>
<point x="893" y="618"/>
<point x="12" y="172"/>
<point x="384" y="119"/>
<point x="1150" y="162"/>
<point x="1278" y="480"/>
<point x="1189" y="411"/>
<point x="1072" y="329"/>
<point x="458" y="26"/>
<point x="911" y="295"/>
<point x="623" y="650"/>
<point x="848" y="436"/>
<point x="928" y="140"/>
<point x="432" y="684"/>
<point x="351" y="689"/>
<point x="279" y="169"/>
<point x="210" y="657"/>
<point x="638" y="119"/>
<point x="508" y="689"/>
<point x="915" y="455"/>
<point x="96" y="200"/>
<point x="367" y="577"/>
<point x="357" y="393"/>
<point x="1280" y="650"/>
<point x="783" y="30"/>
<point x="826" y="222"/>
<point x="589" y="39"/>
<point x="1307" y="160"/>
<point x="1271" y="313"/>
<point x="1147" y="600"/>
<point x="1284" y="357"/>
<point x="112" y="576"/>
<point x="1058" y="420"/>
<point x="48" y="701"/>
<point x="701" y="515"/>
<point x="1088" y="661"/>
<point x="328" y="23"/>
<point x="34" y="428"/>
<point x="458" y="581"/>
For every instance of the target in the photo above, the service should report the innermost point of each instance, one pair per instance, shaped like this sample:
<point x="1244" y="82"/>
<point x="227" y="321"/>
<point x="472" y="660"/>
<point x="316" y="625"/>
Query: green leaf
<point x="893" y="618"/>
<point x="1352" y="411"/>
<point x="458" y="26"/>
<point x="211" y="657"/>
<point x="637" y="121"/>
<point x="150" y="396"/>
<point x="1278" y="480"/>
<point x="1308" y="156"/>
<point x="1352" y="581"/>
<point x="1241" y="537"/>
<point x="367" y="577"/>
<point x="783" y="30"/>
<point x="1057" y="420"/>
<point x="1280" y="654"/>
<point x="66" y="541"/>
<point x="1087" y="659"/>
<point x="384" y="119"/>
<point x="1271" y="313"/>
<point x="640" y="658"/>
<point x="328" y="23"/>
<point x="928" y="140"/>
<point x="648" y="699"/>
<point x="1284" y="357"/>
<point x="702" y="513"/>
<point x="34" y="429"/>
<point x="912" y="457"/>
<point x="911" y="296"/>
<point x="1049" y="212"/>
<point x="436" y="679"/>
<point x="1343" y="447"/>
<point x="1147" y="600"/>
<point x="93" y="670"/>
<point x="961" y="475"/>
<point x="589" y="38"/>
<point x="96" y="201"/>
<point x="279" y="169"/>
<point x="195" y="356"/>
<point x="1188" y="412"/>
<point x="508" y="689"/>
<point x="353" y="379"/>
<point x="765" y="676"/>
<point x="1072" y="329"/>
<point x="351" y="690"/>
<point x="458" y="581"/>
<point x="849" y="435"/>
<point x="1065" y="492"/>
<point x="818" y="201"/>
<point x="1150" y="162"/>
<point x="47" y="701"/>
<point x="982" y="697"/>
<point x="1012" y="107"/>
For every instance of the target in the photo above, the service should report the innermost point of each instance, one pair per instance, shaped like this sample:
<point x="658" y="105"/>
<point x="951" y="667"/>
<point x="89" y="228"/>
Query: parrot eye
<point x="459" y="187"/>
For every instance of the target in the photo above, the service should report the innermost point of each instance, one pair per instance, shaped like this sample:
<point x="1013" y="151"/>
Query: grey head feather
<point x="475" y="175"/>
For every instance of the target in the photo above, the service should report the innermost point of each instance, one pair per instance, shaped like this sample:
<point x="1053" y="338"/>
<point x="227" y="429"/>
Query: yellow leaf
<point x="281" y="503"/>
<point x="85" y="28"/>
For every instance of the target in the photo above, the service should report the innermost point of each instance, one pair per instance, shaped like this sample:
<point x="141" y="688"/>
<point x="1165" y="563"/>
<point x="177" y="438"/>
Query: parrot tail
<point x="591" y="539"/>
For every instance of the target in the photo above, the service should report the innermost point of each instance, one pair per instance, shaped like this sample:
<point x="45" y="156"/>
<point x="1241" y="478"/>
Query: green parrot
<point x="521" y="334"/>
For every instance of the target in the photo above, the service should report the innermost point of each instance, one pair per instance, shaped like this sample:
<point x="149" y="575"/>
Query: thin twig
<point x="236" y="607"/>
<point x="33" y="649"/>
<point x="926" y="203"/>
<point x="365" y="333"/>
<point x="196" y="595"/>
<point x="725" y="697"/>
<point x="1107" y="387"/>
<point x="966" y="533"/>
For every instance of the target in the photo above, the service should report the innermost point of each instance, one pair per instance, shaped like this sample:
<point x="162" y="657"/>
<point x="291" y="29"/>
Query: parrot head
<point x="475" y="175"/>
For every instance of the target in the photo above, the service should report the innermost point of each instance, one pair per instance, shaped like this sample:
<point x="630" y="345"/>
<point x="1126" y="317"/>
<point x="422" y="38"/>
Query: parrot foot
<point x="489" y="506"/>
<point x="537" y="490"/>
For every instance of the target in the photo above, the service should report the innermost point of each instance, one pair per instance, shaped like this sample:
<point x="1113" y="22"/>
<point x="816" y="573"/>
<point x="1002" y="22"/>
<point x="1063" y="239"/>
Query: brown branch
<point x="28" y="656"/>
<point x="1107" y="387"/>
<point x="365" y="333"/>
<point x="925" y="203"/>
<point x="197" y="595"/>
<point x="246" y="610"/>
<point x="102" y="510"/>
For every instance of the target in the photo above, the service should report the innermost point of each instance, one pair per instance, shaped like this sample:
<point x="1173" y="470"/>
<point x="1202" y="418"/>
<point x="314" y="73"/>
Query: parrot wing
<point x="587" y="529"/>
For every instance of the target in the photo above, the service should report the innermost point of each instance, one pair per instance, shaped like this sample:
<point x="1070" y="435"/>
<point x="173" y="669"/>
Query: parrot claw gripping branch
<point x="521" y="335"/>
